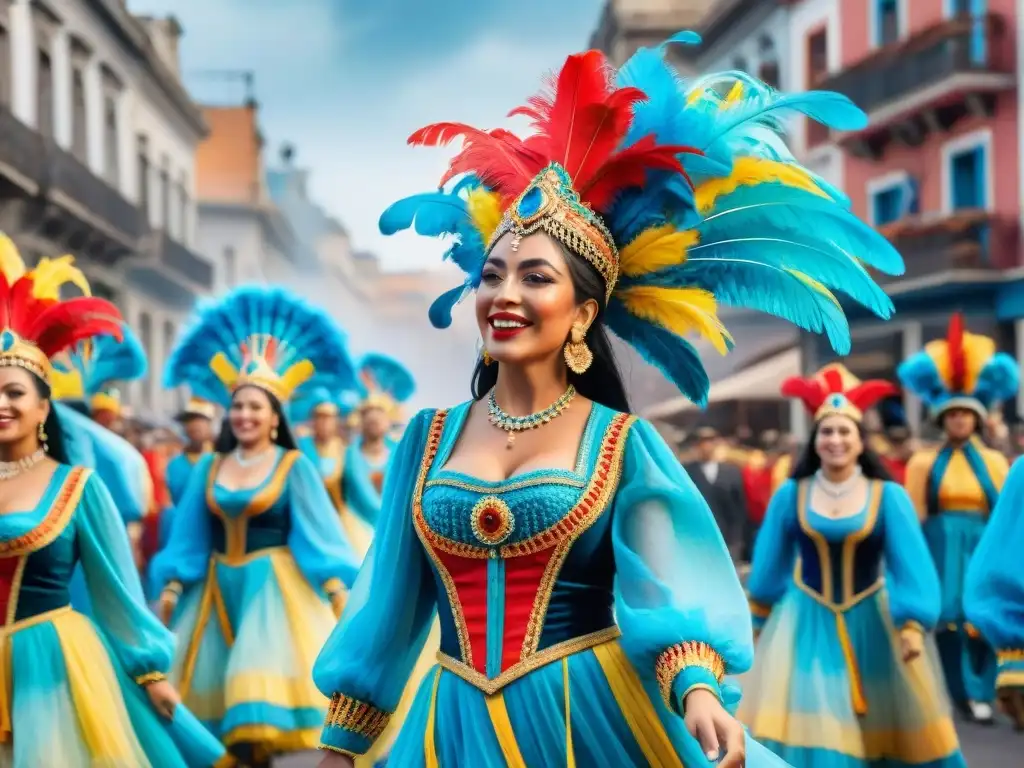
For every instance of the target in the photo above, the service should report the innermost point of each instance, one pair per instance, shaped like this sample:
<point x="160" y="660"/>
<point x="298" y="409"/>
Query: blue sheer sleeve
<point x="679" y="602"/>
<point x="912" y="581"/>
<point x="139" y="640"/>
<point x="358" y="490"/>
<point x="366" y="663"/>
<point x="317" y="540"/>
<point x="178" y="470"/>
<point x="186" y="555"/>
<point x="771" y="571"/>
<point x="994" y="589"/>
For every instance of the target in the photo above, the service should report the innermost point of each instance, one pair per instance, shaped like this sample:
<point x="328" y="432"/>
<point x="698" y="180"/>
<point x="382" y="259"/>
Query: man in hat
<point x="721" y="484"/>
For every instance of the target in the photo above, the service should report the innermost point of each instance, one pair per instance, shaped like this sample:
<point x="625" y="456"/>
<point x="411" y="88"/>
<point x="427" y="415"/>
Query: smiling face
<point x="22" y="409"/>
<point x="252" y="417"/>
<point x="526" y="304"/>
<point x="838" y="442"/>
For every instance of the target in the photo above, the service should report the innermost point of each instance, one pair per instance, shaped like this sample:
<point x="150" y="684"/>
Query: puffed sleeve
<point x="317" y="540"/>
<point x="142" y="644"/>
<point x="178" y="470"/>
<point x="366" y="662"/>
<point x="998" y="467"/>
<point x="679" y="602"/>
<point x="774" y="554"/>
<point x="916" y="481"/>
<point x="186" y="555"/>
<point x="994" y="587"/>
<point x="911" y="579"/>
<point x="358" y="490"/>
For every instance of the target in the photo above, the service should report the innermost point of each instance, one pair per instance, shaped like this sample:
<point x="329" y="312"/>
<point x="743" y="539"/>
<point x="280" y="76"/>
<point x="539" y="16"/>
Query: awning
<point x="761" y="381"/>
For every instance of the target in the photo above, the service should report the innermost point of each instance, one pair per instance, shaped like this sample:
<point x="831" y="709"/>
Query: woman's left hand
<point x="715" y="729"/>
<point x="910" y="645"/>
<point x="337" y="602"/>
<point x="164" y="697"/>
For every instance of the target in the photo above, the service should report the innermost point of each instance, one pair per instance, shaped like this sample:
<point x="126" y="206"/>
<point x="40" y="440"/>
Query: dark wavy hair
<point x="601" y="382"/>
<point x="54" y="435"/>
<point x="809" y="462"/>
<point x="227" y="442"/>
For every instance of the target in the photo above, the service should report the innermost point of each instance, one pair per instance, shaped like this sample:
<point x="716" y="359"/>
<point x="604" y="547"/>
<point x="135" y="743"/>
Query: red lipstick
<point x="506" y="326"/>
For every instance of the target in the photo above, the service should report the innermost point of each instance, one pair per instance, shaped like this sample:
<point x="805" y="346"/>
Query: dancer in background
<point x="196" y="420"/>
<point x="842" y="674"/>
<point x="994" y="592"/>
<point x="352" y="493"/>
<point x="76" y="692"/>
<point x="255" y="559"/>
<point x="388" y="384"/>
<point x="955" y="487"/>
<point x="589" y="607"/>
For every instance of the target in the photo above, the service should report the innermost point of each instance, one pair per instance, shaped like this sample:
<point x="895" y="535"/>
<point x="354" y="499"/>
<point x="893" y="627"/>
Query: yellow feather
<point x="50" y="275"/>
<point x="694" y="96"/>
<point x="749" y="171"/>
<point x="679" y="310"/>
<point x="656" y="248"/>
<point x="812" y="283"/>
<point x="485" y="211"/>
<point x="297" y="375"/>
<point x="12" y="266"/>
<point x="224" y="369"/>
<point x="735" y="94"/>
<point x="978" y="350"/>
<point x="65" y="386"/>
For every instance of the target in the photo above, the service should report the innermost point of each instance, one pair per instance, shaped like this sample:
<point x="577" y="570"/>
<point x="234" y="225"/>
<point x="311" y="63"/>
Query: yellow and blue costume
<point x="829" y="685"/>
<point x="179" y="469"/>
<point x="258" y="569"/>
<point x="388" y="384"/>
<point x="71" y="686"/>
<point x="571" y="628"/>
<point x="955" y="487"/>
<point x="354" y="496"/>
<point x="994" y="588"/>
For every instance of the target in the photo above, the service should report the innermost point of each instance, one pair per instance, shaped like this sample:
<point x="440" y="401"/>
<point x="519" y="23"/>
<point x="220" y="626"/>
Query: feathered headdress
<point x="963" y="370"/>
<point x="35" y="324"/>
<point x="87" y="371"/>
<point x="256" y="336"/>
<point x="325" y="395"/>
<point x="387" y="383"/>
<point x="679" y="198"/>
<point x="834" y="391"/>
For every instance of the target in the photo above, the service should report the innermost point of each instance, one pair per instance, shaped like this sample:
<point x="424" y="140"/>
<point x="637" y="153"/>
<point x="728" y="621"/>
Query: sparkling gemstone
<point x="6" y="341"/>
<point x="531" y="203"/>
<point x="490" y="521"/>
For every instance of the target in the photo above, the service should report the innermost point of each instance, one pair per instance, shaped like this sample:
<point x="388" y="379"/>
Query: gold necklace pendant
<point x="511" y="442"/>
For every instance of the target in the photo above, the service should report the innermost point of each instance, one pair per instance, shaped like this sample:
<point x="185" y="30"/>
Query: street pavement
<point x="983" y="747"/>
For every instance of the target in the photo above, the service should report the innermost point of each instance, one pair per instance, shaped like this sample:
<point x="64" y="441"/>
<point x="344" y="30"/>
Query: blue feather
<point x="919" y="374"/>
<point x="998" y="380"/>
<point x="440" y="312"/>
<point x="672" y="355"/>
<point x="320" y="389"/>
<point x="389" y="376"/>
<point x="226" y="325"/>
<point x="102" y="360"/>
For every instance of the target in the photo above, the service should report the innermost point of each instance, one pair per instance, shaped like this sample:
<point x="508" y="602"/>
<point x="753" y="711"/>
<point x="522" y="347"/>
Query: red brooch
<point x="492" y="521"/>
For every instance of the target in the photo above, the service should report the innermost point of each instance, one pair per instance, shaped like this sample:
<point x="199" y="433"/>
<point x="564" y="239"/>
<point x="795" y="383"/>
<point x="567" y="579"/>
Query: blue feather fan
<point x="102" y="360"/>
<point x="385" y="374"/>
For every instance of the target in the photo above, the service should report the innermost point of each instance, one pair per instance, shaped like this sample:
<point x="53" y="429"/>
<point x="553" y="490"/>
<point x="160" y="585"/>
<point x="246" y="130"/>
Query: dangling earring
<point x="273" y="434"/>
<point x="577" y="354"/>
<point x="43" y="437"/>
<point x="487" y="358"/>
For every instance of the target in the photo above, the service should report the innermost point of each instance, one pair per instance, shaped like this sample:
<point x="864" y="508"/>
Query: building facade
<point x="97" y="159"/>
<point x="626" y="25"/>
<point x="937" y="169"/>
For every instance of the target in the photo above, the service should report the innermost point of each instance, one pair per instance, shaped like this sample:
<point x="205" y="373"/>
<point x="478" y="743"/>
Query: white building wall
<point x="744" y="44"/>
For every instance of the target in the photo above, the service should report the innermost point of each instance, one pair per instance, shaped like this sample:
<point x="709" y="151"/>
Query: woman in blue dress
<point x="994" y="592"/>
<point x="75" y="692"/>
<point x="843" y="675"/>
<point x="355" y="499"/>
<point x="589" y="609"/>
<point x="955" y="487"/>
<point x="388" y="384"/>
<point x="256" y="559"/>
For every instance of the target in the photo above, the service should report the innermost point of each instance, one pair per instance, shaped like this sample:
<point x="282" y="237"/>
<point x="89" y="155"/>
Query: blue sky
<point x="346" y="81"/>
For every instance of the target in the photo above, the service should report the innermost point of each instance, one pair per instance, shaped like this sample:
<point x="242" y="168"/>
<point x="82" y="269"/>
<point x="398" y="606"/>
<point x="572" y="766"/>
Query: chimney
<point x="164" y="35"/>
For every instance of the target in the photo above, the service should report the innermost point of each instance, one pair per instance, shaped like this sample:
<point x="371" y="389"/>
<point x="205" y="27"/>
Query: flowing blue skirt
<point x="830" y="690"/>
<point x="71" y="705"/>
<point x="615" y="720"/>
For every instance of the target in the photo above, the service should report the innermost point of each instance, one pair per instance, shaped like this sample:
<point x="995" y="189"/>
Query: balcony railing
<point x="81" y="185"/>
<point x="180" y="259"/>
<point x="963" y="45"/>
<point x="967" y="240"/>
<point x="21" y="148"/>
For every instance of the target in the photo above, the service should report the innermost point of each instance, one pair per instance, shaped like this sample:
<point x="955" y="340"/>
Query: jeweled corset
<point x="526" y="565"/>
<point x="840" y="559"/>
<point x="36" y="567"/>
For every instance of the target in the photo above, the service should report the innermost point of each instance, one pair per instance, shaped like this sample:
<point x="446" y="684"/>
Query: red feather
<point x="955" y="347"/>
<point x="868" y="393"/>
<point x="809" y="391"/>
<point x="815" y="390"/>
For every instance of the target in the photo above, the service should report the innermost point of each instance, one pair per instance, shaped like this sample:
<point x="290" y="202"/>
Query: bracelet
<point x="174" y="587"/>
<point x="356" y="716"/>
<point x="151" y="677"/>
<point x="674" y="660"/>
<point x="912" y="626"/>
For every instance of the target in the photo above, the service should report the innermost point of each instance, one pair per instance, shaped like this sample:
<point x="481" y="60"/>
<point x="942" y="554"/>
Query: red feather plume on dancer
<point x="579" y="125"/>
<point x="835" y="379"/>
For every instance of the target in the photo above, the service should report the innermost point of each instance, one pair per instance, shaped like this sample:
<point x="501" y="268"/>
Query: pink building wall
<point x="924" y="162"/>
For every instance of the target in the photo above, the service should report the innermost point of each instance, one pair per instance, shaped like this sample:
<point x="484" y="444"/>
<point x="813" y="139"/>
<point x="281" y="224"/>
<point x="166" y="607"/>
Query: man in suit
<point x="721" y="484"/>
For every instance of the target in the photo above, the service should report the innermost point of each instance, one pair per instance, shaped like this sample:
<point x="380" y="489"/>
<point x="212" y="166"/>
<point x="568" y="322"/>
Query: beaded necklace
<point x="513" y="424"/>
